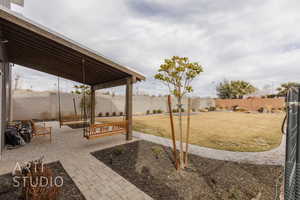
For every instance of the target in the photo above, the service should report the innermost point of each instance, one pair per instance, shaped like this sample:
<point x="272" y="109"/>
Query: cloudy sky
<point x="254" y="40"/>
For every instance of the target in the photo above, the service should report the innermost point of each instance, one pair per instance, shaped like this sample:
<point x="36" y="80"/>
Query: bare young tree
<point x="178" y="73"/>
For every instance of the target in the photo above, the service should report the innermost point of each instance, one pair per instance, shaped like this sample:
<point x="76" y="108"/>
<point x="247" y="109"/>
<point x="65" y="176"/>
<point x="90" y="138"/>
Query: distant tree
<point x="224" y="90"/>
<point x="283" y="89"/>
<point x="234" y="89"/>
<point x="178" y="73"/>
<point x="85" y="101"/>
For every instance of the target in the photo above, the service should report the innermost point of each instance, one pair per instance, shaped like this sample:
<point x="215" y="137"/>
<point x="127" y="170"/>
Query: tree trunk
<point x="187" y="133"/>
<point x="173" y="133"/>
<point x="181" y="134"/>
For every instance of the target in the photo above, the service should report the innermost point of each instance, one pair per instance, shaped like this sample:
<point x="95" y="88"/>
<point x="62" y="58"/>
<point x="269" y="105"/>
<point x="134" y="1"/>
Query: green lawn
<point x="220" y="130"/>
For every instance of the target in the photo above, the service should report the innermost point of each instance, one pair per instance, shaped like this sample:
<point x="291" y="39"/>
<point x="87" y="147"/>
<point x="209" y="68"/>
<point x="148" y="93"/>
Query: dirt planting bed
<point x="68" y="191"/>
<point x="150" y="167"/>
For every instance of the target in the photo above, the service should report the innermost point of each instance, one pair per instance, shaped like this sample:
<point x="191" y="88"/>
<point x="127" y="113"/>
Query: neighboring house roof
<point x="32" y="45"/>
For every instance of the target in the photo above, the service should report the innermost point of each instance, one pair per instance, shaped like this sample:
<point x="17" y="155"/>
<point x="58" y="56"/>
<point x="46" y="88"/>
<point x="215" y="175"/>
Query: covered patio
<point x="26" y="43"/>
<point x="31" y="45"/>
<point x="93" y="178"/>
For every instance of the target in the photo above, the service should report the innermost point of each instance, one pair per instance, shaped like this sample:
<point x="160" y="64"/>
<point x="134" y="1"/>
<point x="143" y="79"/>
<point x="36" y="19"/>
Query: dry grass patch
<point x="220" y="130"/>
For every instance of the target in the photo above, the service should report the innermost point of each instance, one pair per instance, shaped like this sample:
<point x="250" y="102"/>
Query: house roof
<point x="34" y="46"/>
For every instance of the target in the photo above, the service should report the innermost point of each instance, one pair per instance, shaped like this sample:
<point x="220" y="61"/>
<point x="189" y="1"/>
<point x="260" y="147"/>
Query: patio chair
<point x="41" y="130"/>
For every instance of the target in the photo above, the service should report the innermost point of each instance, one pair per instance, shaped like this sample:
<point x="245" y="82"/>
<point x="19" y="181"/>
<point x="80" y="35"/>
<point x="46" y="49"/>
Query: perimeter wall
<point x="44" y="105"/>
<point x="251" y="104"/>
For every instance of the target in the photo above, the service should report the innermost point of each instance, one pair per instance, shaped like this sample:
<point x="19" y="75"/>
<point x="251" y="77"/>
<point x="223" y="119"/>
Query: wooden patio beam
<point x="115" y="83"/>
<point x="9" y="18"/>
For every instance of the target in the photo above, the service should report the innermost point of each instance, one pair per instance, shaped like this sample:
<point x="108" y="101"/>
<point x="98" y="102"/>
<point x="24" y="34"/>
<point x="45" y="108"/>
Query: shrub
<point x="107" y="114"/>
<point x="240" y="109"/>
<point x="270" y="96"/>
<point x="159" y="111"/>
<point x="212" y="108"/>
<point x="100" y="114"/>
<point x="234" y="108"/>
<point x="157" y="151"/>
<point x="118" y="150"/>
<point x="154" y="111"/>
<point x="114" y="114"/>
<point x="148" y="112"/>
<point x="175" y="110"/>
<point x="37" y="173"/>
<point x="121" y="113"/>
<point x="261" y="110"/>
<point x="193" y="110"/>
<point x="237" y="108"/>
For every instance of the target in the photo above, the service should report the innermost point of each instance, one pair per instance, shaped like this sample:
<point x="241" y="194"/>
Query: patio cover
<point x="35" y="46"/>
<point x="32" y="45"/>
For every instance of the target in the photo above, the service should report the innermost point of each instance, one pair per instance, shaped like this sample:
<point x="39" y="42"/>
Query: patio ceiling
<point x="31" y="45"/>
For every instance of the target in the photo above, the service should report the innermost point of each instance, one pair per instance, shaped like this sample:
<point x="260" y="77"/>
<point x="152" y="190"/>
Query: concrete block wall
<point x="44" y="105"/>
<point x="5" y="3"/>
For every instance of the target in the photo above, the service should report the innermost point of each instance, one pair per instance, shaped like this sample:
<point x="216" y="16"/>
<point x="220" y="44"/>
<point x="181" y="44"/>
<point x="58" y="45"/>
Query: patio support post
<point x="4" y="78"/>
<point x="93" y="105"/>
<point x="9" y="92"/>
<point x="129" y="108"/>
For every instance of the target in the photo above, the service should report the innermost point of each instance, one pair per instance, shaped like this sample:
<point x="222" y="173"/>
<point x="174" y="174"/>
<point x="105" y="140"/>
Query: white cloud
<point x="254" y="40"/>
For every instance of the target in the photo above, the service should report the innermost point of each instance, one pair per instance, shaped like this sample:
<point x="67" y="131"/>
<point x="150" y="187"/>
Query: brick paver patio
<point x="95" y="180"/>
